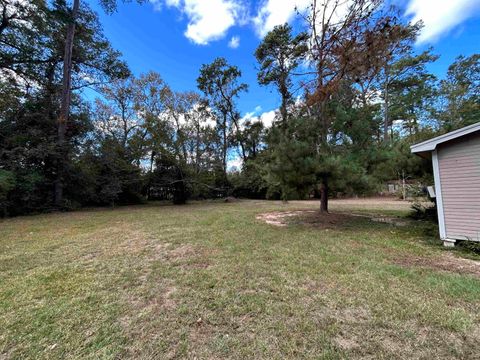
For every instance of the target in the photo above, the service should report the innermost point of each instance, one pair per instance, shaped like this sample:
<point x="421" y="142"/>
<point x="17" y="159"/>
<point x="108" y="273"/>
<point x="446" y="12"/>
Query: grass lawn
<point x="211" y="281"/>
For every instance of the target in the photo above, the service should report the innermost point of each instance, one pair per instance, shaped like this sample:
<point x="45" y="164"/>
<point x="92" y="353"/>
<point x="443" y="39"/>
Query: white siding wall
<point x="459" y="165"/>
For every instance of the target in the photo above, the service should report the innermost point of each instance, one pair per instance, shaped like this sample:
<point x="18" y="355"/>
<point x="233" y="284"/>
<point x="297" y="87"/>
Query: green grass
<point x="208" y="280"/>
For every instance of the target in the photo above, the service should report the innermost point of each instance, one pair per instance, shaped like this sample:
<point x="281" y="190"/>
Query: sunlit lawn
<point x="209" y="280"/>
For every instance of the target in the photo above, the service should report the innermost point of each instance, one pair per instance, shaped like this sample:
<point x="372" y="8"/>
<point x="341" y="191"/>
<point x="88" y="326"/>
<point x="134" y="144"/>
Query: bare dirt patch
<point x="189" y="257"/>
<point x="305" y="217"/>
<point x="279" y="218"/>
<point x="168" y="300"/>
<point x="373" y="203"/>
<point x="161" y="297"/>
<point x="167" y="251"/>
<point x="321" y="220"/>
<point x="181" y="252"/>
<point x="346" y="343"/>
<point x="350" y="322"/>
<point x="447" y="262"/>
<point x="384" y="219"/>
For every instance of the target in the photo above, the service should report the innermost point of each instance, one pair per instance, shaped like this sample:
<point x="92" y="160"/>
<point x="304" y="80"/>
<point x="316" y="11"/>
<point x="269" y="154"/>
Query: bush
<point x="471" y="246"/>
<point x="7" y="183"/>
<point x="248" y="183"/>
<point x="421" y="212"/>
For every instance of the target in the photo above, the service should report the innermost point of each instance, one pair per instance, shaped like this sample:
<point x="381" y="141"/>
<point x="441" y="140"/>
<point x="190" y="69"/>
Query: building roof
<point x="424" y="148"/>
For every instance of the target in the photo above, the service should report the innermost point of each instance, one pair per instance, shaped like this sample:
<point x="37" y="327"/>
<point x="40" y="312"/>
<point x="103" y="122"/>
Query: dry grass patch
<point x="445" y="262"/>
<point x="209" y="281"/>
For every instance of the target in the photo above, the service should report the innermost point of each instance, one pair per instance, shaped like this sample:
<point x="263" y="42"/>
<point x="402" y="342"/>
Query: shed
<point x="456" y="169"/>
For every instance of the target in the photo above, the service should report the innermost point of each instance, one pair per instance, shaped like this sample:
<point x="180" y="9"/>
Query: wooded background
<point x="354" y="96"/>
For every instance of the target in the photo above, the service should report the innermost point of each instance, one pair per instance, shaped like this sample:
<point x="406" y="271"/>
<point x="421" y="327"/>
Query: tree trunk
<point x="180" y="139"/>
<point x="386" y="122"/>
<point x="225" y="146"/>
<point x="324" y="195"/>
<point x="240" y="140"/>
<point x="197" y="150"/>
<point x="65" y="104"/>
<point x="284" y="106"/>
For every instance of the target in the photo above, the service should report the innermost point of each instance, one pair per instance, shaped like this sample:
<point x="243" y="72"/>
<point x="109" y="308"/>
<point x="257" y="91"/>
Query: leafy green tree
<point x="199" y="135"/>
<point x="7" y="183"/>
<point x="28" y="140"/>
<point x="22" y="50"/>
<point x="219" y="81"/>
<point x="72" y="16"/>
<point x="117" y="114"/>
<point x="253" y="135"/>
<point x="279" y="55"/>
<point x="393" y="65"/>
<point x="130" y="131"/>
<point x="406" y="87"/>
<point x="412" y="91"/>
<point x="341" y="46"/>
<point x="248" y="182"/>
<point x="291" y="165"/>
<point x="459" y="103"/>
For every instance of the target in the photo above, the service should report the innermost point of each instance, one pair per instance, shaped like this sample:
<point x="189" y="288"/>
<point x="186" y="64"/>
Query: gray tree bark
<point x="65" y="104"/>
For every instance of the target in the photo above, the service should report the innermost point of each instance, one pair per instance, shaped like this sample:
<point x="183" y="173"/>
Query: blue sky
<point x="175" y="37"/>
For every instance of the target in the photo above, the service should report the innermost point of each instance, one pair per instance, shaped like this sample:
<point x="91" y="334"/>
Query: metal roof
<point x="430" y="145"/>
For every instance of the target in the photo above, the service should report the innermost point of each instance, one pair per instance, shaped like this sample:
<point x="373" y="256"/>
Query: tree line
<point x="354" y="95"/>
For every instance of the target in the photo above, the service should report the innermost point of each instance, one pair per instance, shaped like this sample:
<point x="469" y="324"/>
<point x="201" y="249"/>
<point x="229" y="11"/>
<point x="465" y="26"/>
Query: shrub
<point x="422" y="212"/>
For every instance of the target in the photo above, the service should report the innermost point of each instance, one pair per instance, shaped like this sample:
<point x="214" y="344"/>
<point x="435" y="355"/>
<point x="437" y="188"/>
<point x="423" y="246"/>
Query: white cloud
<point x="276" y="12"/>
<point x="267" y="118"/>
<point x="440" y="16"/>
<point x="209" y="122"/>
<point x="234" y="42"/>
<point x="249" y="116"/>
<point x="235" y="164"/>
<point x="208" y="20"/>
<point x="157" y="4"/>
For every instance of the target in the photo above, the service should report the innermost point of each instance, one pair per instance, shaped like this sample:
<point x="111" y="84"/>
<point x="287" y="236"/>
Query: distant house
<point x="456" y="168"/>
